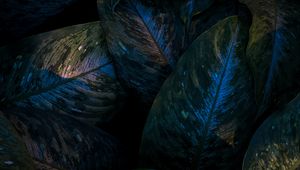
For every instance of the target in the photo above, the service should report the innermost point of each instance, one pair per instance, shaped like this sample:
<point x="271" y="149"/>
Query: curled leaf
<point x="205" y="109"/>
<point x="275" y="145"/>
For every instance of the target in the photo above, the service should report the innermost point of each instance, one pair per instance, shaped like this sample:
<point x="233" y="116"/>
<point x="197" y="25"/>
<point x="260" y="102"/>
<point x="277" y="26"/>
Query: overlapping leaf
<point x="144" y="42"/>
<point x="50" y="80"/>
<point x="146" y="38"/>
<point x="276" y="142"/>
<point x="63" y="142"/>
<point x="186" y="8"/>
<point x="205" y="109"/>
<point x="273" y="50"/>
<point x="66" y="71"/>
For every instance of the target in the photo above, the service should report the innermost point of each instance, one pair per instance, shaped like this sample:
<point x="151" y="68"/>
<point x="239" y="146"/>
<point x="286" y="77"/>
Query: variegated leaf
<point x="273" y="50"/>
<point x="66" y="71"/>
<point x="275" y="145"/>
<point x="204" y="112"/>
<point x="54" y="86"/>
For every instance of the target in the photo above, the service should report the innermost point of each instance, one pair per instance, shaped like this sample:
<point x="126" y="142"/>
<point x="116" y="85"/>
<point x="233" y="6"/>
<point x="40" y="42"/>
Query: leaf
<point x="215" y="13"/>
<point x="275" y="144"/>
<point x="65" y="71"/>
<point x="60" y="141"/>
<point x="144" y="42"/>
<point x="13" y="153"/>
<point x="205" y="109"/>
<point x="147" y="38"/>
<point x="186" y="8"/>
<point x="53" y="87"/>
<point x="273" y="50"/>
<point x="194" y="7"/>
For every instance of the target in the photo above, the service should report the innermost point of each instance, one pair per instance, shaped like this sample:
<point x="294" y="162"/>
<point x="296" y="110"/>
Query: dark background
<point x="22" y="18"/>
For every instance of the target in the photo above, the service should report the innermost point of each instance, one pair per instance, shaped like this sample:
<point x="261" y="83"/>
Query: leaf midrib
<point x="270" y="75"/>
<point x="210" y="113"/>
<point x="148" y="30"/>
<point x="54" y="86"/>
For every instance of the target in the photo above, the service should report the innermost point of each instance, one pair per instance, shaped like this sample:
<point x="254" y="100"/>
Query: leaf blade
<point x="273" y="50"/>
<point x="144" y="42"/>
<point x="275" y="144"/>
<point x="208" y="76"/>
<point x="63" y="142"/>
<point x="68" y="67"/>
<point x="13" y="151"/>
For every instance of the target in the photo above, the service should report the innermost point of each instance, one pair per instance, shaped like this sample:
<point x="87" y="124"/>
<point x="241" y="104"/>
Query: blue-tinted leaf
<point x="205" y="109"/>
<point x="147" y="38"/>
<point x="66" y="71"/>
<point x="52" y="86"/>
<point x="144" y="41"/>
<point x="273" y="50"/>
<point x="275" y="145"/>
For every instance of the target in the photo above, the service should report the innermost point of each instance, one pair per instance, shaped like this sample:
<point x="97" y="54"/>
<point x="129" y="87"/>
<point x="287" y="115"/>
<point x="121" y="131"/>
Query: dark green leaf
<point x="275" y="145"/>
<point x="186" y="8"/>
<point x="65" y="71"/>
<point x="273" y="50"/>
<point x="61" y="141"/>
<point x="203" y="113"/>
<point x="13" y="153"/>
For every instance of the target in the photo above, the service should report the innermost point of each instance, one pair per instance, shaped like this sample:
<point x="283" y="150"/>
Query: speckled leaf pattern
<point x="217" y="80"/>
<point x="54" y="86"/>
<point x="66" y="71"/>
<point x="273" y="50"/>
<point x="13" y="153"/>
<point x="147" y="38"/>
<point x="204" y="110"/>
<point x="275" y="145"/>
<point x="144" y="41"/>
<point x="64" y="142"/>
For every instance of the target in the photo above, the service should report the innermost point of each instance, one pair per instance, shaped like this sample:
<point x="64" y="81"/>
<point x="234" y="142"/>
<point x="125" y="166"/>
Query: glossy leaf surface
<point x="147" y="38"/>
<point x="53" y="87"/>
<point x="66" y="71"/>
<point x="204" y="111"/>
<point x="275" y="145"/>
<point x="273" y="50"/>
<point x="144" y="41"/>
